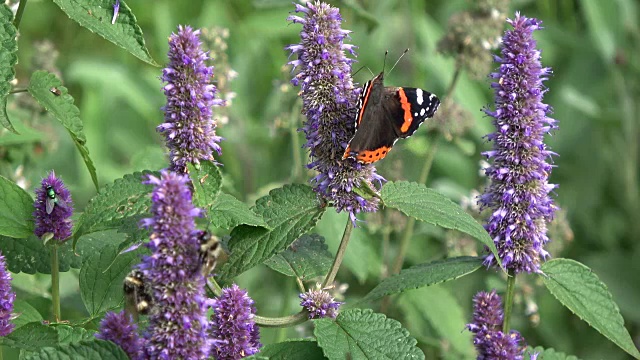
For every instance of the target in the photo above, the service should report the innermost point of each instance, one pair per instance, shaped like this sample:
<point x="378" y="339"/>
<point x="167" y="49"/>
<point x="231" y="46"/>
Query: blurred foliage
<point x="593" y="47"/>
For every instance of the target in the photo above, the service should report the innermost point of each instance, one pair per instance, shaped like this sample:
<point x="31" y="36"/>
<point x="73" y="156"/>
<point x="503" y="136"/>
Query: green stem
<point x="18" y="19"/>
<point x="284" y="321"/>
<point x="339" y="255"/>
<point x="408" y="230"/>
<point x="508" y="303"/>
<point x="55" y="283"/>
<point x="295" y="144"/>
<point x="454" y="82"/>
<point x="217" y="290"/>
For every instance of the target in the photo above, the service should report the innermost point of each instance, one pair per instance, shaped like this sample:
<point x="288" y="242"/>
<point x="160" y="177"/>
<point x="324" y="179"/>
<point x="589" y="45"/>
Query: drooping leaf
<point x="207" y="182"/>
<point x="436" y="306"/>
<point x="428" y="205"/>
<point x="292" y="349"/>
<point x="362" y="334"/>
<point x="16" y="209"/>
<point x="120" y="204"/>
<point x="289" y="212"/>
<point x="101" y="278"/>
<point x="425" y="275"/>
<point x="88" y="349"/>
<point x="580" y="290"/>
<point x="26" y="313"/>
<point x="8" y="49"/>
<point x="47" y="89"/>
<point x="228" y="212"/>
<point x="306" y="258"/>
<point x="96" y="16"/>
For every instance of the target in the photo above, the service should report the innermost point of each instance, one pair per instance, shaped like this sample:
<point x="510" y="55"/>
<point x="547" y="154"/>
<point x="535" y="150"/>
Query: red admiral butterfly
<point x="384" y="115"/>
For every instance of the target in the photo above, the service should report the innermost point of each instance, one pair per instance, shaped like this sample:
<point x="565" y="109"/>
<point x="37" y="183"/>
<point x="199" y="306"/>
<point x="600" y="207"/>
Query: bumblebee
<point x="137" y="293"/>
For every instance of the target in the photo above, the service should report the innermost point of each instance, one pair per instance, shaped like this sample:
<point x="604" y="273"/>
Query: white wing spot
<point x="422" y="112"/>
<point x="419" y="95"/>
<point x="415" y="114"/>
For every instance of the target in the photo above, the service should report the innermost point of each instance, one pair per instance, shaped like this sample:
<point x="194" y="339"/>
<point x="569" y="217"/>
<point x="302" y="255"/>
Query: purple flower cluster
<point x="519" y="192"/>
<point x="7" y="296"/>
<point x="120" y="329"/>
<point x="189" y="128"/>
<point x="329" y="101"/>
<point x="234" y="331"/>
<point x="319" y="303"/>
<point x="489" y="340"/>
<point x="53" y="209"/>
<point x="178" y="324"/>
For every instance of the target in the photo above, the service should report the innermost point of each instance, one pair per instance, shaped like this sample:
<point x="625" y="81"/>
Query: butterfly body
<point x="384" y="115"/>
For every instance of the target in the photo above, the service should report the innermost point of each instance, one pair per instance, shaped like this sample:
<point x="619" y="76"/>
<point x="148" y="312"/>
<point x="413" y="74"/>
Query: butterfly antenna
<point x="397" y="61"/>
<point x="384" y="62"/>
<point x="362" y="67"/>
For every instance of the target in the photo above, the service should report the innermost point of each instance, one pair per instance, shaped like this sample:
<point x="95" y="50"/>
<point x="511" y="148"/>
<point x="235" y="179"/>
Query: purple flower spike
<point x="178" y="321"/>
<point x="189" y="128"/>
<point x="519" y="192"/>
<point x="7" y="296"/>
<point x="329" y="100"/>
<point x="53" y="209"/>
<point x="120" y="329"/>
<point x="319" y="303"/>
<point x="489" y="340"/>
<point x="235" y="333"/>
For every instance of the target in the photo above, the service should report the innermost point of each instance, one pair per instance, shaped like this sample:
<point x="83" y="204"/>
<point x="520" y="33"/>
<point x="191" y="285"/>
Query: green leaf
<point x="62" y="108"/>
<point x="425" y="275"/>
<point x="289" y="212"/>
<point x="547" y="354"/>
<point x="292" y="349"/>
<point x="362" y="334"/>
<point x="306" y="258"/>
<point x="26" y="313"/>
<point x="580" y="290"/>
<point x="207" y="182"/>
<point x="71" y="334"/>
<point x="93" y="349"/>
<point x="32" y="337"/>
<point x="96" y="16"/>
<point x="16" y="208"/>
<point x="101" y="278"/>
<point x="30" y="255"/>
<point x="438" y="307"/>
<point x="9" y="60"/>
<point x="428" y="205"/>
<point x="120" y="204"/>
<point x="228" y="212"/>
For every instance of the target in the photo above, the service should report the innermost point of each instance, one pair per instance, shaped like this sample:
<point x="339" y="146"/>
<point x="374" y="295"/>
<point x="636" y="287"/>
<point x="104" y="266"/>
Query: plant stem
<point x="216" y="290"/>
<point x="454" y="82"/>
<point x="284" y="321"/>
<point x="408" y="230"/>
<point x="18" y="18"/>
<point x="339" y="255"/>
<point x="55" y="283"/>
<point x="508" y="304"/>
<point x="295" y="143"/>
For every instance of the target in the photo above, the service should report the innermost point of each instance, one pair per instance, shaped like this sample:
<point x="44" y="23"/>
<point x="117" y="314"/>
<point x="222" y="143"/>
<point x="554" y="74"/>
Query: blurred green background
<point x="592" y="46"/>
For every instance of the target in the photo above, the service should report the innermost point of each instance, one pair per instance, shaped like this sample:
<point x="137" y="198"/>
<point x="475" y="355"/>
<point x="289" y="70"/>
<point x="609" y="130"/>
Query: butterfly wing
<point x="374" y="135"/>
<point x="408" y="108"/>
<point x="386" y="114"/>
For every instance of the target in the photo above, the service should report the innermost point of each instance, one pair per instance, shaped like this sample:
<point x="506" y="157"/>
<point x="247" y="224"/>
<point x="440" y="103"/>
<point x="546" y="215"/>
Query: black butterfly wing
<point x="374" y="138"/>
<point x="408" y="108"/>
